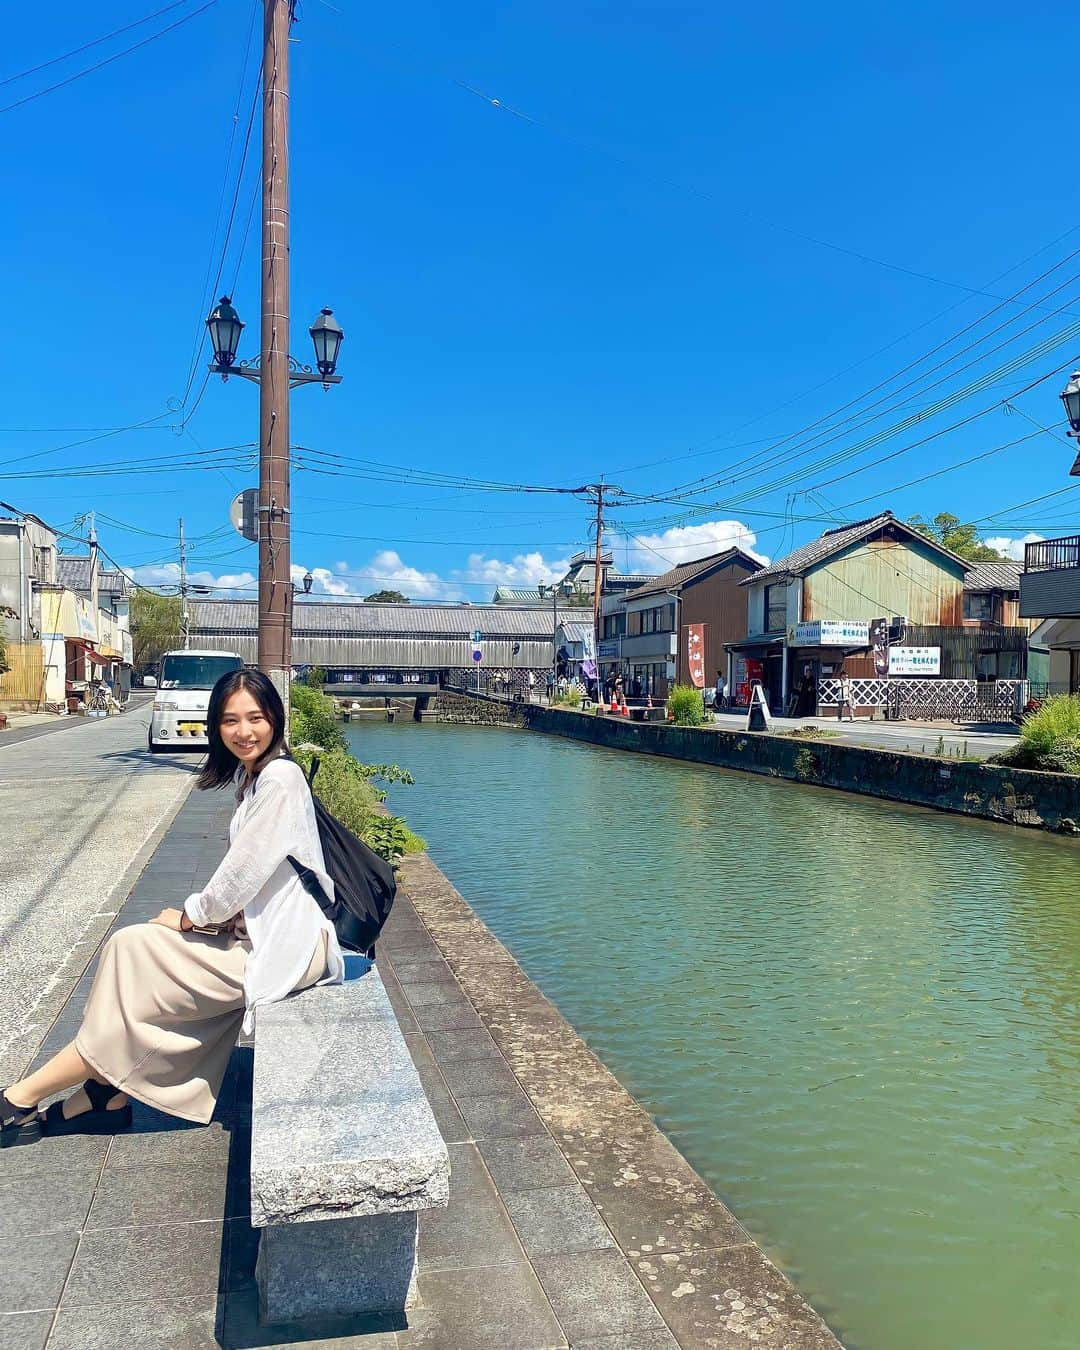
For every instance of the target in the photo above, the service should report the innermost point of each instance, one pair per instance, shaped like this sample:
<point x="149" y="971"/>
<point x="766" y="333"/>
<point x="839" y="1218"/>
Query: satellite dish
<point x="244" y="514"/>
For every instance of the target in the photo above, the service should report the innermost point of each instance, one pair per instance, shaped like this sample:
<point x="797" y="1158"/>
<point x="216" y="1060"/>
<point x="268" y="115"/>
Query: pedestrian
<point x="531" y="683"/>
<point x="549" y="684"/>
<point x="620" y="691"/>
<point x="635" y="687"/>
<point x="843" y="698"/>
<point x="563" y="686"/>
<point x="720" y="693"/>
<point x="170" y="996"/>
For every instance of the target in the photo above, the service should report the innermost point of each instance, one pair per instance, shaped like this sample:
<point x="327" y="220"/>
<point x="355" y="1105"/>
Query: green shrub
<point x="314" y="718"/>
<point x="1049" y="738"/>
<point x="345" y="788"/>
<point x="686" y="705"/>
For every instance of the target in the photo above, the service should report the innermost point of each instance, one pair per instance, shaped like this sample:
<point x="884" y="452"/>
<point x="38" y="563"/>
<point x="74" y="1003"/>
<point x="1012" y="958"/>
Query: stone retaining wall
<point x="478" y="710"/>
<point x="1018" y="796"/>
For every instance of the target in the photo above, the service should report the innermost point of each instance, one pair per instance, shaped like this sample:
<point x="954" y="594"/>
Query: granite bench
<point x="345" y="1152"/>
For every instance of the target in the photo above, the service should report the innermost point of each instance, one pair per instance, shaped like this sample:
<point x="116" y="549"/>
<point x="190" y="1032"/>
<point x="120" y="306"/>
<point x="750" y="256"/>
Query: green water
<point x="858" y="1021"/>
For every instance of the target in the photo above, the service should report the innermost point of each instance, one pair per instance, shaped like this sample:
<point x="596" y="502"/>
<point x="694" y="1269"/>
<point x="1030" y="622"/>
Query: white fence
<point x="944" y="700"/>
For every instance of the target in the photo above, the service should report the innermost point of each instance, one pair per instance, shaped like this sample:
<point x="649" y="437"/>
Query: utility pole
<point x="275" y="581"/>
<point x="597" y="492"/>
<point x="185" y="622"/>
<point x="91" y="535"/>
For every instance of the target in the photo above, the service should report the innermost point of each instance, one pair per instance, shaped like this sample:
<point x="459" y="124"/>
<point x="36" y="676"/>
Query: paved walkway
<point x="977" y="739"/>
<point x="82" y="804"/>
<point x="572" y="1221"/>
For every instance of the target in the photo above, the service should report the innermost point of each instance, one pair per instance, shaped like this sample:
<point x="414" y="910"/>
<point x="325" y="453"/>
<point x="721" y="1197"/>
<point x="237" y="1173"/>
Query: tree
<point x="386" y="598"/>
<point x="155" y="627"/>
<point x="950" y="531"/>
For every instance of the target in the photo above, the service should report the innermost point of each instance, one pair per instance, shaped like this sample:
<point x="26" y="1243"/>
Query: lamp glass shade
<point x="1070" y="396"/>
<point x="326" y="334"/>
<point x="309" y="581"/>
<point x="225" y="329"/>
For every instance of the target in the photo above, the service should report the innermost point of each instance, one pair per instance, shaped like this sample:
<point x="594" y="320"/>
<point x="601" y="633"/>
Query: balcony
<point x="1050" y="581"/>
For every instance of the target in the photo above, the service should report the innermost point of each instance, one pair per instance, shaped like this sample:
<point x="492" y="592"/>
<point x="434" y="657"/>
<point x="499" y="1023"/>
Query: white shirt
<point x="284" y="923"/>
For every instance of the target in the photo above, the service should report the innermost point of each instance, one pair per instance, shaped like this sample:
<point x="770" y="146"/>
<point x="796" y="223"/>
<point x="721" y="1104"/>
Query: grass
<point x="1049" y="738"/>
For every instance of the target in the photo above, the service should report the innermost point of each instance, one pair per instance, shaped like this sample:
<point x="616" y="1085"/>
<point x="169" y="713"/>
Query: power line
<point x="86" y="46"/>
<point x="81" y="74"/>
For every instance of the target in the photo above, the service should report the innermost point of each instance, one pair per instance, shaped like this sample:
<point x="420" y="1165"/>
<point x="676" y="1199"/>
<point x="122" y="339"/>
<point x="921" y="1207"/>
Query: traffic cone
<point x="625" y="710"/>
<point x="614" y="709"/>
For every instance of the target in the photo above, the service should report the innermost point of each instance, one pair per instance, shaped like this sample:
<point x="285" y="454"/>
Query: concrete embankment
<point x="1046" y="801"/>
<point x="1018" y="796"/>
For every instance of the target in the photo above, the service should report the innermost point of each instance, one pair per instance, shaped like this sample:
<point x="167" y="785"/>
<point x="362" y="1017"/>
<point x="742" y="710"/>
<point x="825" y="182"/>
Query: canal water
<point x="858" y="1021"/>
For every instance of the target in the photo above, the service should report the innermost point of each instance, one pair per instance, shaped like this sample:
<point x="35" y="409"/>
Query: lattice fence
<point x="933" y="700"/>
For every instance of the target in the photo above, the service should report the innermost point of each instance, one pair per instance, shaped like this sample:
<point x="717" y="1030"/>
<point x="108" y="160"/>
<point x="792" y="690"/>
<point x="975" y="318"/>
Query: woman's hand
<point x="169" y="918"/>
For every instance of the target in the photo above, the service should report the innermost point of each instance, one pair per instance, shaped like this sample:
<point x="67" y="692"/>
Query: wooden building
<point x="660" y="615"/>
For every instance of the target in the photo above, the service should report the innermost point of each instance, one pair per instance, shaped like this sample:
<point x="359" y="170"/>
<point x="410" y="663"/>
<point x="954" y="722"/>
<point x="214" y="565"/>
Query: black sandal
<point x="98" y="1120"/>
<point x="18" y="1124"/>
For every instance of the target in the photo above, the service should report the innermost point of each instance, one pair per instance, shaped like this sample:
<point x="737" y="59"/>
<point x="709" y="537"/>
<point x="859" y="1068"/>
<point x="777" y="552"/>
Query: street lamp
<point x="544" y="590"/>
<point x="225" y="328"/>
<point x="309" y="581"/>
<point x="327" y="336"/>
<point x="1070" y="396"/>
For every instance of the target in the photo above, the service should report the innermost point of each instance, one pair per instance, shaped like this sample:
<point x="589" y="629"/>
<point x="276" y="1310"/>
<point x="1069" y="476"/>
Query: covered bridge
<point x="389" y="649"/>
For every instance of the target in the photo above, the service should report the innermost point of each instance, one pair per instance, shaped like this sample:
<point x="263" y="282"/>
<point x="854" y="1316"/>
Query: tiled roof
<point x="994" y="576"/>
<point x="345" y="620"/>
<point x="516" y="595"/>
<point x="799" y="562"/>
<point x="73" y="573"/>
<point x="686" y="572"/>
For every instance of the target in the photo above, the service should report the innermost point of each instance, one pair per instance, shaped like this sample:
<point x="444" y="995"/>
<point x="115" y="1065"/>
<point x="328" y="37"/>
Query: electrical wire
<point x="81" y="74"/>
<point x="86" y="46"/>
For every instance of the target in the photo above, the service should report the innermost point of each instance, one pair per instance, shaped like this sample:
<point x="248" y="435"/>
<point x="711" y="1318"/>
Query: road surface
<point x="81" y="811"/>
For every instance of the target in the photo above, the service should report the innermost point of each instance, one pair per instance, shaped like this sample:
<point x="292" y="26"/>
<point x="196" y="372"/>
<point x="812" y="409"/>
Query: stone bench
<point x="345" y="1152"/>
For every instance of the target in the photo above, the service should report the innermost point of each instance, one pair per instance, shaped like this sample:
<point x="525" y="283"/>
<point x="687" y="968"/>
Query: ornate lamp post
<point x="225" y="328"/>
<point x="1070" y="396"/>
<point x="555" y="590"/>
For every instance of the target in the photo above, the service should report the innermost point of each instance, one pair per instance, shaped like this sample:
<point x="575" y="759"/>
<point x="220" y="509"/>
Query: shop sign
<point x="831" y="633"/>
<point x="914" y="660"/>
<point x="609" y="649"/>
<point x="695" y="653"/>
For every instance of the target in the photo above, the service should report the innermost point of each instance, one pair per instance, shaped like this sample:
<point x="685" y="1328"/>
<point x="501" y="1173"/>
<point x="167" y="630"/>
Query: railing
<point x="931" y="699"/>
<point x="1049" y="555"/>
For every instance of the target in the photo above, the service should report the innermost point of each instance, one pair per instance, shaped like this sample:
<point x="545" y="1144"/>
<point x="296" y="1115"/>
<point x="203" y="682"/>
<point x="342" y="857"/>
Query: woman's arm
<point x="264" y="840"/>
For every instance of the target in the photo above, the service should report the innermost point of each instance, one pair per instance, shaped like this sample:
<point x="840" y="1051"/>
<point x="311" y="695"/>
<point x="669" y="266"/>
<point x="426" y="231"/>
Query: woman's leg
<point x="66" y="1068"/>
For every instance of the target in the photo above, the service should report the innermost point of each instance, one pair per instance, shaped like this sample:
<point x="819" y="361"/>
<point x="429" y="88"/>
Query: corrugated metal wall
<point x="886" y="577"/>
<point x="388" y="653"/>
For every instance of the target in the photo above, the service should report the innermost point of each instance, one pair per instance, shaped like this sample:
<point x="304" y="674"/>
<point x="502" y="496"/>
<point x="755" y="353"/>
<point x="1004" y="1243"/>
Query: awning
<point x="763" y="641"/>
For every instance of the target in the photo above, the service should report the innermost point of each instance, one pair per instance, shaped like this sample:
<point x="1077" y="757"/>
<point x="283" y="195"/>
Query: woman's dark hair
<point x="221" y="763"/>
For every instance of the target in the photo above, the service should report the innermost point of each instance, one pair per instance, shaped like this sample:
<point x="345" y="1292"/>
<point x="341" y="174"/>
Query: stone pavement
<point x="572" y="1220"/>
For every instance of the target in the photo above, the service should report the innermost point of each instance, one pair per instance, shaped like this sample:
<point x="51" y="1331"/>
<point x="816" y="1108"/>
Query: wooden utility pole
<point x="597" y="491"/>
<point x="275" y="581"/>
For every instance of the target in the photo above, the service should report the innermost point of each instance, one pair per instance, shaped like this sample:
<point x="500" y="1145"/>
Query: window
<point x="978" y="605"/>
<point x="997" y="666"/>
<point x="658" y="620"/>
<point x="614" y="625"/>
<point x="776" y="608"/>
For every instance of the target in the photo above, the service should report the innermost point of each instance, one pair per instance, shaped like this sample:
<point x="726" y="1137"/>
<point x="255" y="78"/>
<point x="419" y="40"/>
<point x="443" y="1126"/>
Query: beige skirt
<point x="164" y="1013"/>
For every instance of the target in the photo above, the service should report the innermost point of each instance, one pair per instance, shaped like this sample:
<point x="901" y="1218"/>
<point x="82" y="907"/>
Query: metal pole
<point x="185" y="623"/>
<point x="554" y="635"/>
<point x="275" y="591"/>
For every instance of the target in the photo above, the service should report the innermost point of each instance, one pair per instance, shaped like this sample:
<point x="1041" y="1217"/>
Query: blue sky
<point x="613" y="273"/>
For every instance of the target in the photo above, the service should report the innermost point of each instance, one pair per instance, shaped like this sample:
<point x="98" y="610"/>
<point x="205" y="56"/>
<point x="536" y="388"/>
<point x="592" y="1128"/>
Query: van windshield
<point x="195" y="672"/>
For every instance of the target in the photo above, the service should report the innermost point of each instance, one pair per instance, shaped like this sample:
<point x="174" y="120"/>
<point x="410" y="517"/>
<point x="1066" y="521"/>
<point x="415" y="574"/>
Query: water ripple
<point x="857" y="1020"/>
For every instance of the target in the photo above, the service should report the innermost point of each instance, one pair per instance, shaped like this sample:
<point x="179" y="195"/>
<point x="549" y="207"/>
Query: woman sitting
<point x="170" y="996"/>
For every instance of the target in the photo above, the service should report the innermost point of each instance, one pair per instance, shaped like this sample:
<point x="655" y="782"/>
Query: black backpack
<point x="364" y="884"/>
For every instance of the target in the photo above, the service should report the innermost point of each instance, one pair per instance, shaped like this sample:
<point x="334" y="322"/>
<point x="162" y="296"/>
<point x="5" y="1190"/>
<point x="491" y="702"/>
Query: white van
<point x="178" y="721"/>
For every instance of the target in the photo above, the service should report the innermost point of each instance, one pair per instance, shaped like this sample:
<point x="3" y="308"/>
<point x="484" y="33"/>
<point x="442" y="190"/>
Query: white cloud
<point x="655" y="553"/>
<point x="1013" y="548"/>
<point x="238" y="584"/>
<point x="387" y="571"/>
<point x="524" y="570"/>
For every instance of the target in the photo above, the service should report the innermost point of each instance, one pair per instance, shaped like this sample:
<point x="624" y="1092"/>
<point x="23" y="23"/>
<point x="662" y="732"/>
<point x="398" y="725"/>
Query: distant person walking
<point x="532" y="684"/>
<point x="720" y="693"/>
<point x="843" y="698"/>
<point x="635" y="687"/>
<point x="549" y="685"/>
